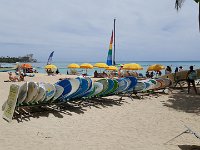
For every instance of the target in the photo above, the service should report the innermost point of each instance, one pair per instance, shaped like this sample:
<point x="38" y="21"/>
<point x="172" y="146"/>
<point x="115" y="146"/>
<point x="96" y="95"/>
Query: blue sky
<point x="80" y="30"/>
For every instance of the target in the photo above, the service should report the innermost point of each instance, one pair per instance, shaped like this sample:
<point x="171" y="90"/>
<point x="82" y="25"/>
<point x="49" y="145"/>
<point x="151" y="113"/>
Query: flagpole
<point x="114" y="45"/>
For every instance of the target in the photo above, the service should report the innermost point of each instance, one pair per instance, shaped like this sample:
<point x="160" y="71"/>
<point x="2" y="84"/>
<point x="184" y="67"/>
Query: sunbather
<point x="120" y="72"/>
<point x="18" y="78"/>
<point x="96" y="75"/>
<point x="104" y="75"/>
<point x="13" y="78"/>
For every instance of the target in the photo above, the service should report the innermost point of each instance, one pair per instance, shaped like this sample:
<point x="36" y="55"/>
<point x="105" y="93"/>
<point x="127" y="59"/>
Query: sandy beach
<point x="145" y="124"/>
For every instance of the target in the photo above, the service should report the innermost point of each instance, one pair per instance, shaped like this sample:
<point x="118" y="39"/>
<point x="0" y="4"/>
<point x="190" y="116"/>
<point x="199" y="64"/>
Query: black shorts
<point x="190" y="81"/>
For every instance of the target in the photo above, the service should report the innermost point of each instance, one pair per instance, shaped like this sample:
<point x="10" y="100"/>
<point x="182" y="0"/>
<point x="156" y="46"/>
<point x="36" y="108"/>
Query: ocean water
<point x="62" y="66"/>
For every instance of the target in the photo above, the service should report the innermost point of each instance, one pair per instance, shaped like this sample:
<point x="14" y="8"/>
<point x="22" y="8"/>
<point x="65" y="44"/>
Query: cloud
<point x="80" y="30"/>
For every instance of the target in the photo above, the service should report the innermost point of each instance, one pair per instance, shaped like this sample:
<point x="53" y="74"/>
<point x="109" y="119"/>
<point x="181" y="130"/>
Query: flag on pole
<point x="109" y="57"/>
<point x="50" y="58"/>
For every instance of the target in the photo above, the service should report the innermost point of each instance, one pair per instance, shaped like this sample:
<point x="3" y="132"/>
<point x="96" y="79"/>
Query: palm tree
<point x="179" y="3"/>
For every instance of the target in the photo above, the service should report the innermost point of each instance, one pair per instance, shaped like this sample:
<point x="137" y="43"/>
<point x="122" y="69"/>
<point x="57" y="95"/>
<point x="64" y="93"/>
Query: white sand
<point x="133" y="124"/>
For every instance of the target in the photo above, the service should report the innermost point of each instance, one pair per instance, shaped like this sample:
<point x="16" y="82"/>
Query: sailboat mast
<point x="114" y="45"/>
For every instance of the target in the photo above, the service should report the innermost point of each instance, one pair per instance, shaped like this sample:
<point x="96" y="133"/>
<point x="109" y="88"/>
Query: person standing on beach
<point x="120" y="72"/>
<point x="57" y="71"/>
<point x="168" y="70"/>
<point x="151" y="74"/>
<point x="191" y="76"/>
<point x="148" y="74"/>
<point x="176" y="70"/>
<point x="180" y="68"/>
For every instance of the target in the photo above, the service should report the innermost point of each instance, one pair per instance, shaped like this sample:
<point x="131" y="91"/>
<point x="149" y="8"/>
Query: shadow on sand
<point x="189" y="147"/>
<point x="181" y="101"/>
<point x="26" y="113"/>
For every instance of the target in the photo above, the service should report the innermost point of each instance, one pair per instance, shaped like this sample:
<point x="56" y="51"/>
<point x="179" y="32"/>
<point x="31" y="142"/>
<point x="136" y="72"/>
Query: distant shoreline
<point x="118" y="62"/>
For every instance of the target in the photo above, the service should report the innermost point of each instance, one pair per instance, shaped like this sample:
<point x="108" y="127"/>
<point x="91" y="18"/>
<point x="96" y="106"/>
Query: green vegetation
<point x="14" y="59"/>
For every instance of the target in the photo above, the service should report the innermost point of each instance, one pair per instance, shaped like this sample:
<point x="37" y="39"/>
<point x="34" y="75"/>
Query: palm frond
<point x="178" y="4"/>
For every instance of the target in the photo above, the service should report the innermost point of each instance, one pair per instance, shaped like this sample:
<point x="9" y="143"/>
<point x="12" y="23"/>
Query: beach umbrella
<point x="86" y="66"/>
<point x="101" y="65"/>
<point x="52" y="67"/>
<point x="155" y="67"/>
<point x="132" y="67"/>
<point x="26" y="66"/>
<point x="112" y="68"/>
<point x="73" y="66"/>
